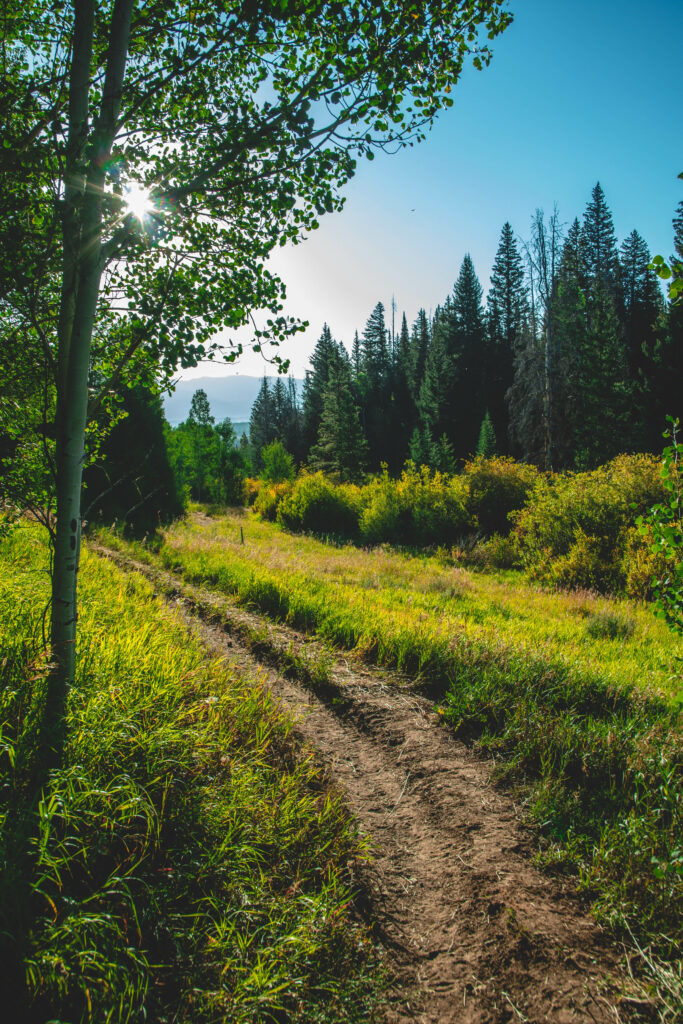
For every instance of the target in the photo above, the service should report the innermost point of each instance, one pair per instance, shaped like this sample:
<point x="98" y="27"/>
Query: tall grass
<point x="182" y="863"/>
<point x="580" y="694"/>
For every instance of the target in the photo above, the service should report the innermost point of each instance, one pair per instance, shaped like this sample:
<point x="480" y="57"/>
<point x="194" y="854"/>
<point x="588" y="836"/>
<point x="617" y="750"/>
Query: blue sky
<point x="576" y="92"/>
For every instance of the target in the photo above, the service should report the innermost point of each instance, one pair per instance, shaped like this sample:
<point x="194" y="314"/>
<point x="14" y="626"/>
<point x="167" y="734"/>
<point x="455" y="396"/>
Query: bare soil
<point x="475" y="933"/>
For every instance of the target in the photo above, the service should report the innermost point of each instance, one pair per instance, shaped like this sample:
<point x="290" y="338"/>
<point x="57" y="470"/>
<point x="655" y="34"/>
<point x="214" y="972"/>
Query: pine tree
<point x="441" y="455"/>
<point x="486" y="445"/>
<point x="604" y="414"/>
<point x="642" y="300"/>
<point x="374" y="350"/>
<point x="341" y="448"/>
<point x="419" y="350"/>
<point x="404" y="409"/>
<point x="600" y="242"/>
<point x="262" y="429"/>
<point x="356" y="355"/>
<point x="281" y="408"/>
<point x="435" y="403"/>
<point x="507" y="312"/>
<point x="469" y="345"/>
<point x="374" y="387"/>
<point x="420" y="447"/>
<point x="314" y="385"/>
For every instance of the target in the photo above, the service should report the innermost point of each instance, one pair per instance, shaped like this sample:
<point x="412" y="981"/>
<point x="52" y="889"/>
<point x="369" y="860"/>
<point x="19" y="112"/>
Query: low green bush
<point x="316" y="505"/>
<point x="420" y="508"/>
<point x="576" y="530"/>
<point x="495" y="488"/>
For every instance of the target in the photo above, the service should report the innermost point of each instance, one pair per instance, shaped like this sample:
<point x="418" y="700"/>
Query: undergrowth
<point x="579" y="695"/>
<point x="183" y="863"/>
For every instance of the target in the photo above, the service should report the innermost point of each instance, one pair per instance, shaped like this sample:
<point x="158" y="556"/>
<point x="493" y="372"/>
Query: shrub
<point x="419" y="508"/>
<point x="496" y="552"/>
<point x="269" y="498"/>
<point x="495" y="488"/>
<point x="663" y="526"/>
<point x="251" y="488"/>
<point x="575" y="529"/>
<point x="316" y="505"/>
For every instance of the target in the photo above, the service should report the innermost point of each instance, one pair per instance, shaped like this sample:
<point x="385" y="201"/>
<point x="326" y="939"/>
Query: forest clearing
<point x="365" y="708"/>
<point x="450" y="908"/>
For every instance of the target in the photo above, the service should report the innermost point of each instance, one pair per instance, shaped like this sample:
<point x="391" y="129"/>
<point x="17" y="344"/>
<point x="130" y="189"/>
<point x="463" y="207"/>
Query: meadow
<point x="184" y="860"/>
<point x="577" y="696"/>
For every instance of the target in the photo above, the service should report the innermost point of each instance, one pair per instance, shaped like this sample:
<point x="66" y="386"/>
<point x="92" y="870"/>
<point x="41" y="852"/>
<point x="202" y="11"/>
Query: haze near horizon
<point x="573" y="95"/>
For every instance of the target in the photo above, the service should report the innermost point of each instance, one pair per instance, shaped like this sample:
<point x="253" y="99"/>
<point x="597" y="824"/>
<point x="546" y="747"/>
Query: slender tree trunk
<point x="82" y="272"/>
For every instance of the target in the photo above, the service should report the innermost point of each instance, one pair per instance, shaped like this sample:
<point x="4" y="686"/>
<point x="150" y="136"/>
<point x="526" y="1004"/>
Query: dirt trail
<point x="475" y="933"/>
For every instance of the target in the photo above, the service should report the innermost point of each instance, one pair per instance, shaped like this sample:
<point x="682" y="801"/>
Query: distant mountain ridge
<point x="230" y="397"/>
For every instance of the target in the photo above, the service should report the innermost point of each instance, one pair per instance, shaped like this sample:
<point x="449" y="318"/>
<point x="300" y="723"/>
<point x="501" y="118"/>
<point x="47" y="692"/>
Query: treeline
<point x="574" y="358"/>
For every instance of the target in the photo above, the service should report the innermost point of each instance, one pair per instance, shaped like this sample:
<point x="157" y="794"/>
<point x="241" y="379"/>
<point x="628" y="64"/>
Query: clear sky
<point x="577" y="92"/>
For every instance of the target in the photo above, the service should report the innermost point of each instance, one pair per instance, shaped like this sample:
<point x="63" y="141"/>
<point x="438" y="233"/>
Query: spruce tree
<point x="341" y="448"/>
<point x="314" y="385"/>
<point x="404" y="408"/>
<point x="600" y="242"/>
<point x="262" y="428"/>
<point x="436" y="398"/>
<point x="374" y="387"/>
<point x="507" y="311"/>
<point x="486" y="445"/>
<point x="642" y="300"/>
<point x="470" y="346"/>
<point x="356" y="355"/>
<point x="375" y="351"/>
<point x="604" y="394"/>
<point x="419" y="350"/>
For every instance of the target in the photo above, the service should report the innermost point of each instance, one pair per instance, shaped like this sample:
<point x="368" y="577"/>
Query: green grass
<point x="580" y="695"/>
<point x="183" y="863"/>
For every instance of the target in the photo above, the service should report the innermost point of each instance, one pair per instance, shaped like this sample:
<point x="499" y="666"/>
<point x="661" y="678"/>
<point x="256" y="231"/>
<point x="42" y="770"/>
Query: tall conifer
<point x="341" y="448"/>
<point x="314" y="385"/>
<point x="507" y="312"/>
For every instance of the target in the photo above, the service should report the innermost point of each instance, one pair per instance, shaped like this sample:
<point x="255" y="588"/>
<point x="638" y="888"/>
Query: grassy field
<point x="580" y="695"/>
<point x="183" y="863"/>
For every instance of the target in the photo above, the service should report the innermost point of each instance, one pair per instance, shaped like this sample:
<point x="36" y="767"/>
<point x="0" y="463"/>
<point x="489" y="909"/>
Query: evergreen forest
<point x="573" y="357"/>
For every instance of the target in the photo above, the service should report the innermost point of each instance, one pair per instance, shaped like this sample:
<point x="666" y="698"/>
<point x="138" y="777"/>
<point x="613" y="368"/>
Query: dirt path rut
<point x="476" y="934"/>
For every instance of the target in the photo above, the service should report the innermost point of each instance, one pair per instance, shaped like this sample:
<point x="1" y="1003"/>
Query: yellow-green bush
<point x="576" y="530"/>
<point x="316" y="505"/>
<point x="421" y="507"/>
<point x="269" y="497"/>
<point x="251" y="488"/>
<point x="495" y="488"/>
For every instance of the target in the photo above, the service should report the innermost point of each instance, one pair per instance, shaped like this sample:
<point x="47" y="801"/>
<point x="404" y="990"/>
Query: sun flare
<point x="138" y="202"/>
